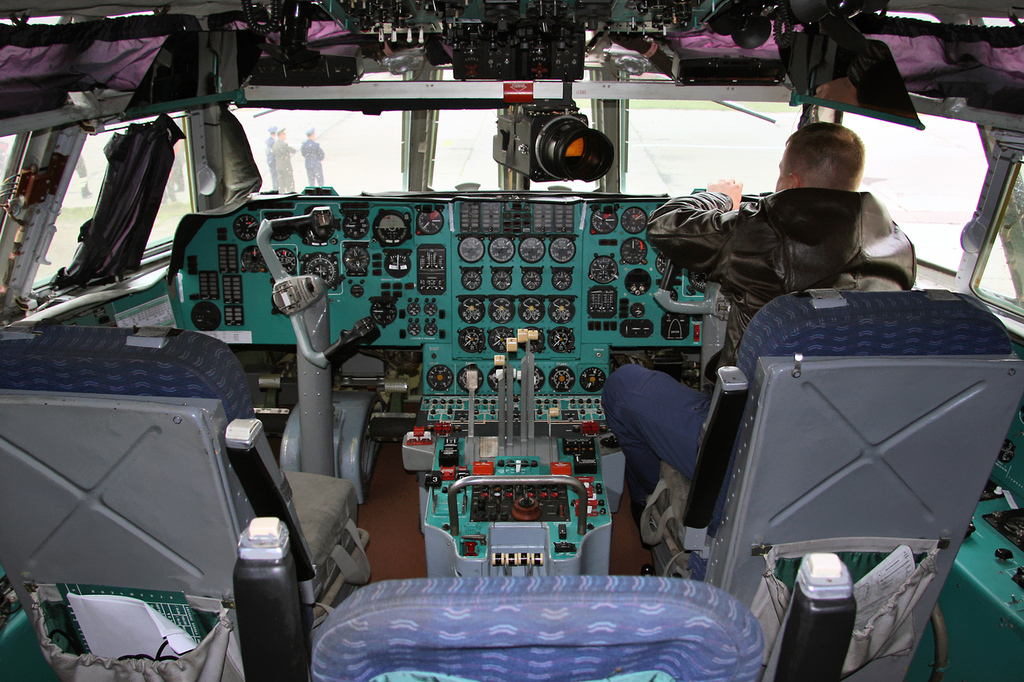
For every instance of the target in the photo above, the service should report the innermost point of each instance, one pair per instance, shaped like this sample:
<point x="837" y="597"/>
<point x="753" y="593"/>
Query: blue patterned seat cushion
<point x="540" y="628"/>
<point x="872" y="323"/>
<point x="97" y="360"/>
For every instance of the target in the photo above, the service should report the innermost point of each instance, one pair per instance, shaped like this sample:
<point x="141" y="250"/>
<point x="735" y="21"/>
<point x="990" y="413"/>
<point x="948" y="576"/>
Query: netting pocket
<point x="890" y="576"/>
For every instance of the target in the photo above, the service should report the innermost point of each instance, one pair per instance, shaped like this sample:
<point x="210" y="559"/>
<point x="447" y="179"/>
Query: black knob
<point x="1003" y="554"/>
<point x="970" y="529"/>
<point x="647" y="569"/>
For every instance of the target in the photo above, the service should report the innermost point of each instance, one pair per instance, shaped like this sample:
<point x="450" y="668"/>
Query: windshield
<point x="930" y="180"/>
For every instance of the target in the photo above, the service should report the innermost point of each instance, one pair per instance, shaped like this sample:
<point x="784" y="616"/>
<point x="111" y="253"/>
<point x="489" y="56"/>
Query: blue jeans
<point x="655" y="418"/>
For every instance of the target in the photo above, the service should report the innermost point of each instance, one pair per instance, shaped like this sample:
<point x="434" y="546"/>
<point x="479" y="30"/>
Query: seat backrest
<point x="556" y="628"/>
<point x="112" y="448"/>
<point x="871" y="415"/>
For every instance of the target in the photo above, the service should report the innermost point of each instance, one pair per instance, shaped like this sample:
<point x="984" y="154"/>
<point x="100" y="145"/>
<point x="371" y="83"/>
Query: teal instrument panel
<point x="454" y="275"/>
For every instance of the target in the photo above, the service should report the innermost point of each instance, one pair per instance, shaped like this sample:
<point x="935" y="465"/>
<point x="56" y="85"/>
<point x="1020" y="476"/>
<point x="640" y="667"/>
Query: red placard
<point x="518" y="91"/>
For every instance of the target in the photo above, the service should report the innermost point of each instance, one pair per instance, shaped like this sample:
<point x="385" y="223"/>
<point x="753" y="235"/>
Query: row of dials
<point x="532" y="278"/>
<point x="475" y="340"/>
<point x="632" y="251"/>
<point x="604" y="220"/>
<point x="561" y="379"/>
<point x="501" y="309"/>
<point x="390" y="227"/>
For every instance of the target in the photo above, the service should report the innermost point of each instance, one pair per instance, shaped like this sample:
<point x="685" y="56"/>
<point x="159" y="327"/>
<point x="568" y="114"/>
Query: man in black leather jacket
<point x="816" y="231"/>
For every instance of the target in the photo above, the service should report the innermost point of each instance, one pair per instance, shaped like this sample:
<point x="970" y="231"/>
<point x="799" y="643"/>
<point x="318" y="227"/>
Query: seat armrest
<point x="724" y="417"/>
<point x="269" y="493"/>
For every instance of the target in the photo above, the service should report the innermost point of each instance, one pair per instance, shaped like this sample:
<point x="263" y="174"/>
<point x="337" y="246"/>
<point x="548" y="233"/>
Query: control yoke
<point x="663" y="296"/>
<point x="303" y="298"/>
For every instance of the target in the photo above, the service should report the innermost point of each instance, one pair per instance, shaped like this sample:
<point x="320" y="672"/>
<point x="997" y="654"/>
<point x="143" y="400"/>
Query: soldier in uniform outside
<point x="313" y="154"/>
<point x="283" y="161"/>
<point x="271" y="160"/>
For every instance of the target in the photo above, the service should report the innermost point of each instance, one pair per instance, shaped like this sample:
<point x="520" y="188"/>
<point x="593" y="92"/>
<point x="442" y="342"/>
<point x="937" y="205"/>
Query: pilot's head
<point x="822" y="155"/>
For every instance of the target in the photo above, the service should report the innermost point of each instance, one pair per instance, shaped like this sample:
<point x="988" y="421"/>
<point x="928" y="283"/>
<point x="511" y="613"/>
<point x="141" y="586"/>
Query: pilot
<point x="815" y="231"/>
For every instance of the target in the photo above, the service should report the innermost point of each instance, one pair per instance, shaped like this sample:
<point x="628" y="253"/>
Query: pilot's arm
<point x="691" y="230"/>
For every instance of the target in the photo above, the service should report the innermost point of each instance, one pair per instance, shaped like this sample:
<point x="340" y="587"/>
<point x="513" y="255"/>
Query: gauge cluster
<point x="457" y="274"/>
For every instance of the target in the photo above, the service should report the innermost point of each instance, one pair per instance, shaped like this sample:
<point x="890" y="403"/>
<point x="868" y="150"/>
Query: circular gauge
<point x="429" y="222"/>
<point x="397" y="263"/>
<point x="430" y="307"/>
<point x="561" y="310"/>
<point x="472" y="278"/>
<point x="638" y="281"/>
<point x="357" y="290"/>
<point x="538" y="379"/>
<point x="562" y="250"/>
<point x="562" y="340"/>
<point x="497" y="337"/>
<point x="501" y="249"/>
<point x="252" y="260"/>
<point x="413" y="329"/>
<point x="492" y="378"/>
<point x="440" y="378"/>
<point x="391" y="228"/>
<point x="412" y="309"/>
<point x="356" y="260"/>
<point x="288" y="260"/>
<point x="592" y="379"/>
<point x="471" y="310"/>
<point x="471" y="339"/>
<point x="355" y="225"/>
<point x="538" y="345"/>
<point x="636" y="309"/>
<point x="603" y="269"/>
<point x="501" y="278"/>
<point x="245" y="227"/>
<point x="531" y="310"/>
<point x="634" y="220"/>
<point x="205" y="316"/>
<point x="383" y="311"/>
<point x="561" y="278"/>
<point x="531" y="250"/>
<point x="430" y="329"/>
<point x="462" y="378"/>
<point x="633" y="251"/>
<point x="562" y="379"/>
<point x="660" y="263"/>
<point x="603" y="221"/>
<point x="323" y="265"/>
<point x="501" y="309"/>
<point x="532" y="278"/>
<point x="471" y="249"/>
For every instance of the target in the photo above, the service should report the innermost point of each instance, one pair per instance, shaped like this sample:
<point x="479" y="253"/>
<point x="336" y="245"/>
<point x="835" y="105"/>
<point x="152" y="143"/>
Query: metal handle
<point x="571" y="481"/>
<point x="663" y="297"/>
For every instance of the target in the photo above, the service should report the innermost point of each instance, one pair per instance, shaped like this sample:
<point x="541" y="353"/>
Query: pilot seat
<point x="132" y="461"/>
<point x="872" y="423"/>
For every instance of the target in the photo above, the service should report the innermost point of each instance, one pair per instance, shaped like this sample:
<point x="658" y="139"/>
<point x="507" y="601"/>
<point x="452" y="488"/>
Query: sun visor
<point x="158" y="60"/>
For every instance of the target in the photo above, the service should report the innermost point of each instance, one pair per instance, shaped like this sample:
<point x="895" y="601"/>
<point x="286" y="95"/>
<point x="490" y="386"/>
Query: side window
<point x="1001" y="269"/>
<point x="83" y="194"/>
<point x="349" y="151"/>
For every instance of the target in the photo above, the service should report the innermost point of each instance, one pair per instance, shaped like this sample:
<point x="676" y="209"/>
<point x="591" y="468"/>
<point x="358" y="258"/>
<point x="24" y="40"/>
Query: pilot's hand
<point x="730" y="187"/>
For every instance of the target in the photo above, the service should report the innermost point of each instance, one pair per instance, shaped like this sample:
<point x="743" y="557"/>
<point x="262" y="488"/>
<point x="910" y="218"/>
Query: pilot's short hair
<point x="826" y="155"/>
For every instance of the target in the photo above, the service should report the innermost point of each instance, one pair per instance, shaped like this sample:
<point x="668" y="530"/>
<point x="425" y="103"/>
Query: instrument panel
<point x="454" y="275"/>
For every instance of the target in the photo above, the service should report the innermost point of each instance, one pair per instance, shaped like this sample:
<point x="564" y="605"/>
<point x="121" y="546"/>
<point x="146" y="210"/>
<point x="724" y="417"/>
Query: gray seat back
<point x="881" y="432"/>
<point x="129" y="492"/>
<point x="115" y="467"/>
